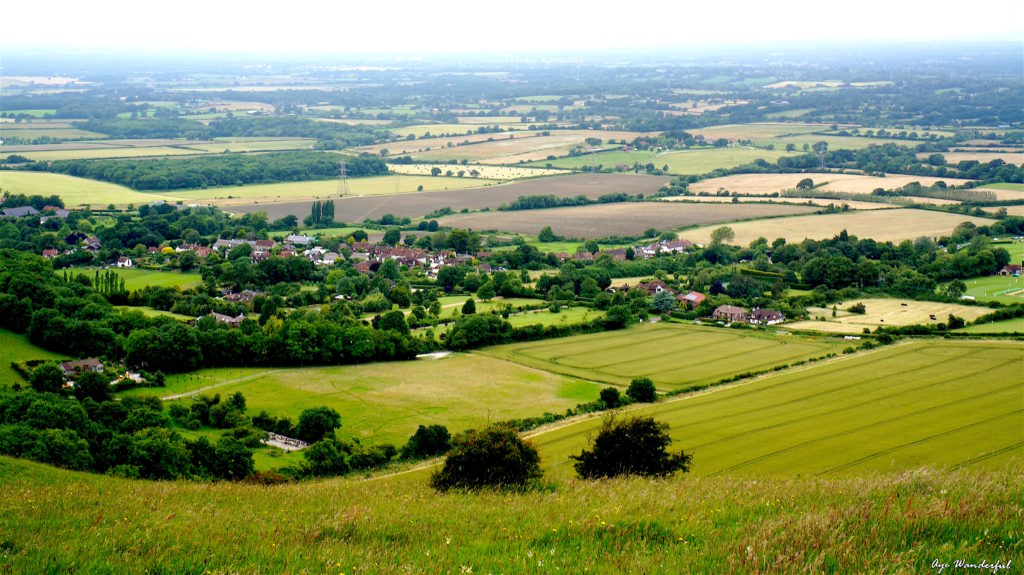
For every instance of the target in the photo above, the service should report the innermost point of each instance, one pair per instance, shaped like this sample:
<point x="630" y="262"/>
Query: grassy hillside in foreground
<point x="54" y="521"/>
<point x="933" y="402"/>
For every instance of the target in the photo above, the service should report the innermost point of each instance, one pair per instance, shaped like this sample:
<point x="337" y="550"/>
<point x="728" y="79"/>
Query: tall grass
<point x="53" y="521"/>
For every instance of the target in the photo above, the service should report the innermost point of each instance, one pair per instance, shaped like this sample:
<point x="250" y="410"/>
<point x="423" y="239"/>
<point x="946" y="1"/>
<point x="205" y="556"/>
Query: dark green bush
<point x="493" y="457"/>
<point x="634" y="446"/>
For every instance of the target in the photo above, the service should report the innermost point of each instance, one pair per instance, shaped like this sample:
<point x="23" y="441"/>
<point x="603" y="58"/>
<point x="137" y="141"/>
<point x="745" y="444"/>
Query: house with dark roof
<point x="730" y="313"/>
<point x="73" y="368"/>
<point x="20" y="212"/>
<point x="761" y="316"/>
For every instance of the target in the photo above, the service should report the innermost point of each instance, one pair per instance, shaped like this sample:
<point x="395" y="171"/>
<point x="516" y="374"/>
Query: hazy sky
<point x="476" y="26"/>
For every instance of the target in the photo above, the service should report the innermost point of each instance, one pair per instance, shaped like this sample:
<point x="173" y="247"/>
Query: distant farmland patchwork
<point x="624" y="219"/>
<point x="419" y="204"/>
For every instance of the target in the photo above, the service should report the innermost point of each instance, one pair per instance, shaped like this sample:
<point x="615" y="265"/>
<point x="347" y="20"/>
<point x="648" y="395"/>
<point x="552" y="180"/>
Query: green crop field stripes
<point x="672" y="355"/>
<point x="938" y="403"/>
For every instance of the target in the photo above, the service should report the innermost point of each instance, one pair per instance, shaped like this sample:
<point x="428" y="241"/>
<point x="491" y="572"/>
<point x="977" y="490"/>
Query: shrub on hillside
<point x="428" y="441"/>
<point x="610" y="396"/>
<point x="642" y="390"/>
<point x="493" y="457"/>
<point x="634" y="446"/>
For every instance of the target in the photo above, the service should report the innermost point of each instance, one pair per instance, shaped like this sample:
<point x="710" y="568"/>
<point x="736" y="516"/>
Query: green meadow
<point x="56" y="521"/>
<point x="674" y="356"/>
<point x="17" y="347"/>
<point x="1005" y="289"/>
<point x="135" y="279"/>
<point x="74" y="191"/>
<point x="385" y="402"/>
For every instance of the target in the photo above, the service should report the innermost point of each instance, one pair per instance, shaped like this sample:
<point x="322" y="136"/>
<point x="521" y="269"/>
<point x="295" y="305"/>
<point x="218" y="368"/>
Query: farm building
<point x="19" y="212"/>
<point x="761" y="316"/>
<point x="730" y="313"/>
<point x="124" y="262"/>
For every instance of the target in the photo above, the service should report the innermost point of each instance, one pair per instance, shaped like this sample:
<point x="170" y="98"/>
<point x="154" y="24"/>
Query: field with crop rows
<point x="925" y="403"/>
<point x="674" y="356"/>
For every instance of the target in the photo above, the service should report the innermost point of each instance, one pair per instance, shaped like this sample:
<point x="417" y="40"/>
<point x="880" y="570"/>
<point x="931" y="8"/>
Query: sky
<point x="474" y="26"/>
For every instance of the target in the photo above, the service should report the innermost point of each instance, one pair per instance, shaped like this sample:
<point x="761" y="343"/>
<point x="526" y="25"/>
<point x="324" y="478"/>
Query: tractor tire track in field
<point x="837" y="389"/>
<point x="868" y="426"/>
<point x="219" y="384"/>
<point x="990" y="455"/>
<point x="844" y="407"/>
<point x="673" y="403"/>
<point x="922" y="440"/>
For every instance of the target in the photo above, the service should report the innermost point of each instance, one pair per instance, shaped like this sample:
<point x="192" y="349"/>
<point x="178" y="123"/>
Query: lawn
<point x="373" y="186"/>
<point x="74" y="191"/>
<point x="886" y="312"/>
<point x="934" y="403"/>
<point x="1005" y="289"/>
<point x="135" y="279"/>
<point x="385" y="402"/>
<point x="16" y="347"/>
<point x="674" y="356"/>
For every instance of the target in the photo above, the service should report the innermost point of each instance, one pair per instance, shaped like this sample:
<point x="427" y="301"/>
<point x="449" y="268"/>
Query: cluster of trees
<point x="497" y="457"/>
<point x="217" y="170"/>
<point x="321" y="213"/>
<point x="132" y="437"/>
<point x="538" y="202"/>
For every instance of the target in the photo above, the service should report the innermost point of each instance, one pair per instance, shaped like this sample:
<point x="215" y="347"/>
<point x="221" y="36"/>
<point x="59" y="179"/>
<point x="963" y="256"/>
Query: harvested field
<point x="111" y="153"/>
<point x="497" y="148"/>
<point x="370" y="186"/>
<point x="757" y="130"/>
<point x="1015" y="158"/>
<point x="882" y="225"/>
<point x="853" y="204"/>
<point x="486" y="172"/>
<point x="765" y="184"/>
<point x="623" y="219"/>
<point x="419" y="204"/>
<point x="885" y="312"/>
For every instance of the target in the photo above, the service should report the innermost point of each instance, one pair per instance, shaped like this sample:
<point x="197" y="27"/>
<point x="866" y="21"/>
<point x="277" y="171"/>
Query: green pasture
<point x="704" y="160"/>
<point x="38" y="113"/>
<point x="1015" y="325"/>
<point x="152" y="312"/>
<point x="674" y="356"/>
<point x="74" y="191"/>
<point x="385" y="402"/>
<point x="135" y="279"/>
<point x="934" y="403"/>
<point x="16" y="347"/>
<point x="1006" y="186"/>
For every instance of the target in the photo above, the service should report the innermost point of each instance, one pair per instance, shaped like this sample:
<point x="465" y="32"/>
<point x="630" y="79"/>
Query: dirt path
<point x="219" y="384"/>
